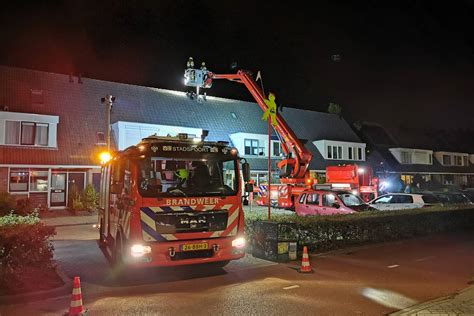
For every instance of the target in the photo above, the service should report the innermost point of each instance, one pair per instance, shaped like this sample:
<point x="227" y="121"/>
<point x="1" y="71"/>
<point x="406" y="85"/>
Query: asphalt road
<point x="372" y="280"/>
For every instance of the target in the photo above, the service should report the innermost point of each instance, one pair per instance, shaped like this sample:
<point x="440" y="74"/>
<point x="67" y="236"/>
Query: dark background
<point x="402" y="63"/>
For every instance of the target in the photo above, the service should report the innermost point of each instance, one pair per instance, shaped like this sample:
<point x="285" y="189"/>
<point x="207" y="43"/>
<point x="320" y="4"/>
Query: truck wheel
<point x="101" y="235"/>
<point x="117" y="258"/>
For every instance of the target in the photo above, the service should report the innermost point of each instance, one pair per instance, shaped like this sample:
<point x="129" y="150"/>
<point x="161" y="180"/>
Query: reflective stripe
<point x="169" y="236"/>
<point x="76" y="303"/>
<point x="76" y="291"/>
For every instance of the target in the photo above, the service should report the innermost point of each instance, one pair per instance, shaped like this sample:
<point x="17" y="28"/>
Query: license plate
<point x="194" y="247"/>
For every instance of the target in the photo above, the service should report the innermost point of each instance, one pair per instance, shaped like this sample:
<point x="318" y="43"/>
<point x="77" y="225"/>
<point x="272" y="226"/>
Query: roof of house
<point x="81" y="115"/>
<point x="379" y="140"/>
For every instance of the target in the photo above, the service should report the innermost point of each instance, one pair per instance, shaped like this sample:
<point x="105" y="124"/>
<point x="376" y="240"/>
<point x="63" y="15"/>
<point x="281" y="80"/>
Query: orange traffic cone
<point x="305" y="266"/>
<point x="76" y="308"/>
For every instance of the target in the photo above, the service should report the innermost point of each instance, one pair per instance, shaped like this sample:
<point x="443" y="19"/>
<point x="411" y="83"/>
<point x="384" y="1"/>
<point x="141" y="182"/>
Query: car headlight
<point x="139" y="250"/>
<point x="238" y="242"/>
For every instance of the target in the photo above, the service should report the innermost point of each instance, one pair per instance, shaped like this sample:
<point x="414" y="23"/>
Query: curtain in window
<point x="41" y="137"/>
<point x="12" y="135"/>
<point x="27" y="133"/>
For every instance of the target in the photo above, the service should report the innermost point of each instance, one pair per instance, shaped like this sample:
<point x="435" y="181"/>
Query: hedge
<point x="26" y="254"/>
<point x="322" y="233"/>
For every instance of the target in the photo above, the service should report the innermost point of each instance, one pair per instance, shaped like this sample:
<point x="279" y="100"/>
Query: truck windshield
<point x="167" y="177"/>
<point x="350" y="199"/>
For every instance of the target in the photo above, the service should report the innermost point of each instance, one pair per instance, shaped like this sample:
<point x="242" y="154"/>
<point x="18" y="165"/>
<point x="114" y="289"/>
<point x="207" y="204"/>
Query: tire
<point x="102" y="243"/>
<point x="117" y="257"/>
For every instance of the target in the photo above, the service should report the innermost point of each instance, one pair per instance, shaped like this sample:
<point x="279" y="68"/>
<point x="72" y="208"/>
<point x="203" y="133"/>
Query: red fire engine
<point x="293" y="168"/>
<point x="173" y="201"/>
<point x="359" y="180"/>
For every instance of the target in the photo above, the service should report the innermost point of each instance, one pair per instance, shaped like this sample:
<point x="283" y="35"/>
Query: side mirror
<point x="248" y="187"/>
<point x="246" y="171"/>
<point x="336" y="205"/>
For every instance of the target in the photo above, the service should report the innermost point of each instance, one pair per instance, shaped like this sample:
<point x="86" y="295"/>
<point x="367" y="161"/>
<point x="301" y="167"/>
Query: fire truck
<point x="356" y="179"/>
<point x="173" y="201"/>
<point x="293" y="168"/>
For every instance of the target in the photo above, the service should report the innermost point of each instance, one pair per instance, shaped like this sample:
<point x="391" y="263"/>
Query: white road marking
<point x="393" y="266"/>
<point x="425" y="258"/>
<point x="291" y="287"/>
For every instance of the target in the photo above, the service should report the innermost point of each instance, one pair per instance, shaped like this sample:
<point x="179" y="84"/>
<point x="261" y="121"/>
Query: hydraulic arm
<point x="297" y="158"/>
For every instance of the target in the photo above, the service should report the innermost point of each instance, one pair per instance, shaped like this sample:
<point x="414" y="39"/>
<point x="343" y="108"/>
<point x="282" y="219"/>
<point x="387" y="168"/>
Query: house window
<point x="39" y="181"/>
<point x="446" y="160"/>
<point x="276" y="148"/>
<point x="101" y="138"/>
<point x="349" y="153"/>
<point x="12" y="132"/>
<point x="334" y="152"/>
<point x="18" y="180"/>
<point x="406" y="157"/>
<point x="359" y="153"/>
<point x="458" y="160"/>
<point x="26" y="133"/>
<point x="252" y="148"/>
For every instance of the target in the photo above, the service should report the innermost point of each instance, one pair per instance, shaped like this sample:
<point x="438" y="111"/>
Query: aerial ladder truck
<point x="294" y="174"/>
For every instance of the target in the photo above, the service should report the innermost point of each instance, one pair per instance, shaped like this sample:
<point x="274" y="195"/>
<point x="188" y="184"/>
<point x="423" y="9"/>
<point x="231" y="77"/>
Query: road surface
<point x="370" y="280"/>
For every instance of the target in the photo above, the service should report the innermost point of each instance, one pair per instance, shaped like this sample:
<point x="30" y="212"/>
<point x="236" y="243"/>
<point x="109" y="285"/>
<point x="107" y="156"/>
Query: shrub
<point x="90" y="197"/>
<point x="26" y="252"/>
<point x="7" y="203"/>
<point x="331" y="232"/>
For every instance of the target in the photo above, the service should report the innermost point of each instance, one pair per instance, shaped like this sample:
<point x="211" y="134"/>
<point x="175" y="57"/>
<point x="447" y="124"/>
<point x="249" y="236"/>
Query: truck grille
<point x="193" y="254"/>
<point x="171" y="223"/>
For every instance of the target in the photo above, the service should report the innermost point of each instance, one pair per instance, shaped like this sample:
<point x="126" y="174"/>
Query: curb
<point x="425" y="305"/>
<point x="65" y="289"/>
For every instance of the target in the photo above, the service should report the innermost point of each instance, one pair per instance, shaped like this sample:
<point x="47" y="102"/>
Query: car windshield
<point x="167" y="177"/>
<point x="350" y="199"/>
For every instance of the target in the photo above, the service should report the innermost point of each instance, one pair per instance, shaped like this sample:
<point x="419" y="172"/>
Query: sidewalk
<point x="64" y="218"/>
<point x="461" y="303"/>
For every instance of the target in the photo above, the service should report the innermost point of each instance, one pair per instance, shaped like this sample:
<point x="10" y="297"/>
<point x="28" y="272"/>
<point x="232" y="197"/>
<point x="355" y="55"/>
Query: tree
<point x="334" y="108"/>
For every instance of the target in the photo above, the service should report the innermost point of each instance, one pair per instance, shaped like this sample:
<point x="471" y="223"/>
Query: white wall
<point x="439" y="155"/>
<point x="322" y="146"/>
<point x="131" y="133"/>
<point x="418" y="156"/>
<point x="238" y="140"/>
<point x="52" y="120"/>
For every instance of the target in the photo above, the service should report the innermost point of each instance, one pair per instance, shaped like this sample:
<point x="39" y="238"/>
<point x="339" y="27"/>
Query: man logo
<point x="225" y="151"/>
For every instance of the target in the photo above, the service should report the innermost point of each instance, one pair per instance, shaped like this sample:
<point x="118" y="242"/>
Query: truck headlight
<point x="238" y="242"/>
<point x="139" y="250"/>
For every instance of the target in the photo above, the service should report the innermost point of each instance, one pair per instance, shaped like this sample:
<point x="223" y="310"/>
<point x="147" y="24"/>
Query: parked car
<point x="328" y="202"/>
<point x="469" y="194"/>
<point x="400" y="201"/>
<point x="452" y="197"/>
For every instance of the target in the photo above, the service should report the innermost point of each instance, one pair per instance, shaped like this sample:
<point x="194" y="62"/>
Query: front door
<point x="58" y="189"/>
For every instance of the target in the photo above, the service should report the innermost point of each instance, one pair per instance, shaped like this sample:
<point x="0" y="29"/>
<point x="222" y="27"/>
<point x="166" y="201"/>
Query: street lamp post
<point x="108" y="101"/>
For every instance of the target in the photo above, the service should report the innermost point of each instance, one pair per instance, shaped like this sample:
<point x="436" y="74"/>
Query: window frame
<point x="252" y="148"/>
<point x="27" y="180"/>
<point x="33" y="141"/>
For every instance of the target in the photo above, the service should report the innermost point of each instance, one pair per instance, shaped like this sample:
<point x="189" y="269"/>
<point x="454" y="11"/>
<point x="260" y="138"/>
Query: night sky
<point x="401" y="63"/>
